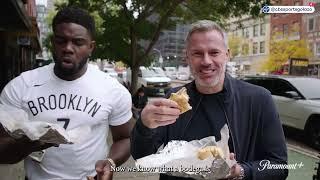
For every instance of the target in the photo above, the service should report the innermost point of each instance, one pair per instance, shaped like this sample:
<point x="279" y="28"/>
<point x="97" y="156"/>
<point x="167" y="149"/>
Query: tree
<point x="130" y="30"/>
<point x="238" y="45"/>
<point x="281" y="50"/>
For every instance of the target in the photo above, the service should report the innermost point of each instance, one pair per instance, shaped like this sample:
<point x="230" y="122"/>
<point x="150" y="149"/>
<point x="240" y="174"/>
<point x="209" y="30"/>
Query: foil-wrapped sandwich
<point x="210" y="151"/>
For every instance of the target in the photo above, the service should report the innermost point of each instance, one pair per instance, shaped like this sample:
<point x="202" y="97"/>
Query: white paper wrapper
<point x="16" y="123"/>
<point x="179" y="158"/>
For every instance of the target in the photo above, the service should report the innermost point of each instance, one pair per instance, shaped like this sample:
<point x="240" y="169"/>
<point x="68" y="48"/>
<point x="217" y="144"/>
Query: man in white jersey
<point x="73" y="94"/>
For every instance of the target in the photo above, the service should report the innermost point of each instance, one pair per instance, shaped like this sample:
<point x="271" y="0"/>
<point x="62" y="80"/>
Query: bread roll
<point x="208" y="151"/>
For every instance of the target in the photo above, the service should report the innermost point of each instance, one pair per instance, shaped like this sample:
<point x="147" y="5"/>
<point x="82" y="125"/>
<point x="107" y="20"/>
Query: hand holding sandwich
<point x="162" y="112"/>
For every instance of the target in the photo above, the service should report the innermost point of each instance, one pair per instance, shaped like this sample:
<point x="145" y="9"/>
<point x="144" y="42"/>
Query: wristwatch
<point x="241" y="175"/>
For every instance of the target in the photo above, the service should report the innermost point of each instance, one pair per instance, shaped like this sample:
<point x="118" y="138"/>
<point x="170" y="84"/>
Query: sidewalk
<point x="12" y="172"/>
<point x="16" y="172"/>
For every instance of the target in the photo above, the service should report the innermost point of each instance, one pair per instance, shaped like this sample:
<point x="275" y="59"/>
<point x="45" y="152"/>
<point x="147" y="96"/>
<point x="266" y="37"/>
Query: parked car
<point x="111" y="72"/>
<point x="183" y="73"/>
<point x="154" y="80"/>
<point x="171" y="72"/>
<point x="183" y="76"/>
<point x="297" y="100"/>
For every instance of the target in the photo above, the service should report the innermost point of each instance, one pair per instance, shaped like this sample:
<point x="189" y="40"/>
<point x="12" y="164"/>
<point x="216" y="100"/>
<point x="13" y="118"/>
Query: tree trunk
<point x="134" y="79"/>
<point x="135" y="62"/>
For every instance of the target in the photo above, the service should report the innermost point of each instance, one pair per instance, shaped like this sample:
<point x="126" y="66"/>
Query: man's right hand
<point x="160" y="112"/>
<point x="14" y="150"/>
<point x="32" y="146"/>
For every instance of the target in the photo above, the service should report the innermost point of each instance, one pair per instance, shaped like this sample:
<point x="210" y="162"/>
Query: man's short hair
<point x="75" y="15"/>
<point x="204" y="26"/>
<point x="140" y="90"/>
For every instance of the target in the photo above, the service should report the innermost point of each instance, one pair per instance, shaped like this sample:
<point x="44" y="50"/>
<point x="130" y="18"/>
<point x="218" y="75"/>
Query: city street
<point x="298" y="153"/>
<point x="151" y="47"/>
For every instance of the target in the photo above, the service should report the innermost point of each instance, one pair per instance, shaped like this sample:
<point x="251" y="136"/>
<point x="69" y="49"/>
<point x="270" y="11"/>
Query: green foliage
<point x="47" y="42"/>
<point x="128" y="32"/>
<point x="234" y="43"/>
<point x="281" y="50"/>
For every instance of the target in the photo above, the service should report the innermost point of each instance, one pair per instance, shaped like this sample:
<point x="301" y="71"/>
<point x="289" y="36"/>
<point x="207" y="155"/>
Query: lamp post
<point x="160" y="56"/>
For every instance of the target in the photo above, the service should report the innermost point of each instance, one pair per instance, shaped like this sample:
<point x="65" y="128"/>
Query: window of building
<point x="285" y="30"/>
<point x="275" y="30"/>
<point x="262" y="47"/>
<point x="255" y="30"/>
<point x="247" y="33"/>
<point x="318" y="49"/>
<point x="262" y="29"/>
<point x="255" y="48"/>
<point x="295" y="29"/>
<point x="311" y="48"/>
<point x="245" y="49"/>
<point x="311" y="24"/>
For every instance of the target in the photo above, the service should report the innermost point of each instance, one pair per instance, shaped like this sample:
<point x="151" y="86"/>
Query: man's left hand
<point x="235" y="169"/>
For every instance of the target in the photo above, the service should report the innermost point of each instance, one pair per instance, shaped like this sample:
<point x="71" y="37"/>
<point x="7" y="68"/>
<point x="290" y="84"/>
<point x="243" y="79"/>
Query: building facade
<point x="42" y="12"/>
<point x="311" y="26"/>
<point x="19" y="37"/>
<point x="50" y="4"/>
<point x="248" y="41"/>
<point x="171" y="45"/>
<point x="287" y="25"/>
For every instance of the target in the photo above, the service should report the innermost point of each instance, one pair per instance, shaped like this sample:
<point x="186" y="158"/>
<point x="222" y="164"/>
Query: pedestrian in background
<point x="139" y="101"/>
<point x="70" y="93"/>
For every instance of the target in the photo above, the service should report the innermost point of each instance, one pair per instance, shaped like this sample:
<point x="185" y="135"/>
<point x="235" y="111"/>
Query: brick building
<point x="311" y="26"/>
<point x="287" y="25"/>
<point x="253" y="46"/>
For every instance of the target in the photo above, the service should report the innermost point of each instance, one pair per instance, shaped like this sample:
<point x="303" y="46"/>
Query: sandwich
<point x="210" y="151"/>
<point x="181" y="98"/>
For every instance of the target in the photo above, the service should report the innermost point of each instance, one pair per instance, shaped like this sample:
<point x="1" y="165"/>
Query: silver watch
<point x="241" y="175"/>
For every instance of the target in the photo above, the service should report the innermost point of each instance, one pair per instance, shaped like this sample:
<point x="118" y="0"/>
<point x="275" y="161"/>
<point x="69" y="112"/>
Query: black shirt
<point x="139" y="101"/>
<point x="209" y="117"/>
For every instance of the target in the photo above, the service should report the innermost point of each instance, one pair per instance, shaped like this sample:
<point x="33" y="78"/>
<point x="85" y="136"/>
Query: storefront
<point x="19" y="37"/>
<point x="314" y="69"/>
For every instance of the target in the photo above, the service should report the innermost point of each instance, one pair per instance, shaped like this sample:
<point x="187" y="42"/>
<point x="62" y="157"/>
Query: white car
<point x="297" y="100"/>
<point x="111" y="72"/>
<point x="183" y="76"/>
<point x="153" y="79"/>
<point x="171" y="72"/>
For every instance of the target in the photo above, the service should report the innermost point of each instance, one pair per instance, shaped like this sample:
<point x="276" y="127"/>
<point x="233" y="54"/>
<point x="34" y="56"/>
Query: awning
<point x="13" y="16"/>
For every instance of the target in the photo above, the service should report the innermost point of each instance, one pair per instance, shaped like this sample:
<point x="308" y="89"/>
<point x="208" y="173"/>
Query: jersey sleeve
<point x="12" y="93"/>
<point x="121" y="111"/>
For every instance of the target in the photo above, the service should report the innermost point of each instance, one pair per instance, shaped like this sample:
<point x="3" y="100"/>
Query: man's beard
<point x="214" y="82"/>
<point x="68" y="72"/>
